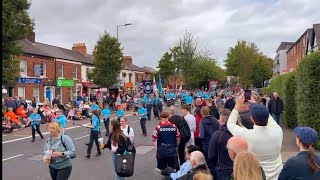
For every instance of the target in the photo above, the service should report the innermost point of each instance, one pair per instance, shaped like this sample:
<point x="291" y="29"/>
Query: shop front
<point x="65" y="90"/>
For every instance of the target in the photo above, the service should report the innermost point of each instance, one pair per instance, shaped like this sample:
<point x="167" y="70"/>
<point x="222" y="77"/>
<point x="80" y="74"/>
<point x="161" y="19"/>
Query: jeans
<point x="60" y="174"/>
<point x="276" y="117"/>
<point x="149" y="108"/>
<point x="155" y="111"/>
<point x="222" y="174"/>
<point x="106" y="125"/>
<point x="116" y="177"/>
<point x="94" y="136"/>
<point x="143" y="125"/>
<point x="34" y="131"/>
<point x="159" y="105"/>
<point x="211" y="165"/>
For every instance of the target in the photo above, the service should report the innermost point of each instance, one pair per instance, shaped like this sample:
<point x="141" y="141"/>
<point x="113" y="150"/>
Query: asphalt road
<point x="22" y="159"/>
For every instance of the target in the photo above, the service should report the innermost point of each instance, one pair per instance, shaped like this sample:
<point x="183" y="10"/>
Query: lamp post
<point x="128" y="24"/>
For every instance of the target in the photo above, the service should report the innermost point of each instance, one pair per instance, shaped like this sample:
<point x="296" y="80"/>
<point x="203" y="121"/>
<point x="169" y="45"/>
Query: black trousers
<point x="155" y="111"/>
<point x="164" y="162"/>
<point x="149" y="108"/>
<point x="181" y="149"/>
<point x="198" y="142"/>
<point x="143" y="125"/>
<point x="34" y="131"/>
<point x="160" y="105"/>
<point x="60" y="174"/>
<point x="106" y="125"/>
<point x="94" y="136"/>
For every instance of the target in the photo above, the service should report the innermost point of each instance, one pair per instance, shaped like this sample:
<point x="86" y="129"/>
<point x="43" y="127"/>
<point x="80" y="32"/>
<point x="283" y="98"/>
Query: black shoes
<point x="87" y="157"/>
<point x="98" y="154"/>
<point x="41" y="137"/>
<point x="87" y="144"/>
<point x="32" y="140"/>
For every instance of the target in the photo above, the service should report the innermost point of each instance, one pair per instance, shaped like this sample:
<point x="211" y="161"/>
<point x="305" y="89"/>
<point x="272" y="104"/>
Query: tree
<point x="16" y="25"/>
<point x="107" y="60"/>
<point x="248" y="63"/>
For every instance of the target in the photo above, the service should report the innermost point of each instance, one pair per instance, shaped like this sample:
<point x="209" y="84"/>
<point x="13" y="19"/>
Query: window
<point x="35" y="93"/>
<point x="87" y="74"/>
<point x="39" y="70"/>
<point x="130" y="77"/>
<point x="124" y="75"/>
<point x="70" y="94"/>
<point x="60" y="71"/>
<point x="74" y="72"/>
<point x="59" y="94"/>
<point x="23" y="68"/>
<point x="21" y="92"/>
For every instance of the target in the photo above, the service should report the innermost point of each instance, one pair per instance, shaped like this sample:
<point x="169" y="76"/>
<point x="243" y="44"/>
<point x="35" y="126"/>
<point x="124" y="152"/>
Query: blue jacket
<point x="106" y="113"/>
<point x="217" y="151"/>
<point x="297" y="167"/>
<point x="35" y="119"/>
<point x="208" y="126"/>
<point x="184" y="169"/>
<point x="62" y="120"/>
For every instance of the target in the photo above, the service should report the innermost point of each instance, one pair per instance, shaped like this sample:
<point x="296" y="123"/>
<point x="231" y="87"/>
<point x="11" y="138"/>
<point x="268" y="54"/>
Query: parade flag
<point x="160" y="85"/>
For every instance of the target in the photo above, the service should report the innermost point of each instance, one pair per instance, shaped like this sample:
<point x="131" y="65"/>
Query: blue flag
<point x="160" y="85"/>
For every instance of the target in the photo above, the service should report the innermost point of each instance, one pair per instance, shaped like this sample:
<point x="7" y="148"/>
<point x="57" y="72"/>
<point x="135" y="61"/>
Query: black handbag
<point x="124" y="164"/>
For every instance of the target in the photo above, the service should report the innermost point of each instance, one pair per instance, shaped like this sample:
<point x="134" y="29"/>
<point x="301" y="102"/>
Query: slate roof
<point x="54" y="51"/>
<point x="149" y="69"/>
<point x="283" y="45"/>
<point x="132" y="67"/>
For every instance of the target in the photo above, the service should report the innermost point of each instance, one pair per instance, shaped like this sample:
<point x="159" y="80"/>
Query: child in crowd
<point x="71" y="113"/>
<point x="119" y="113"/>
<point x="10" y="115"/>
<point x="35" y="124"/>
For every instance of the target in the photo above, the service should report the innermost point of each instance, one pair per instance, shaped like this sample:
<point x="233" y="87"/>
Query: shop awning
<point x="86" y="84"/>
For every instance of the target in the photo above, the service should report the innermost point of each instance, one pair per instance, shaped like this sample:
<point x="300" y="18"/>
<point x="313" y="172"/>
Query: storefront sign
<point x="65" y="83"/>
<point x="29" y="81"/>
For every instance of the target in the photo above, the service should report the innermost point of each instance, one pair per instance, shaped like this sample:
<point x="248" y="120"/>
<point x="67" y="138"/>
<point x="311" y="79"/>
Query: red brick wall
<point x="50" y="74"/>
<point x="296" y="53"/>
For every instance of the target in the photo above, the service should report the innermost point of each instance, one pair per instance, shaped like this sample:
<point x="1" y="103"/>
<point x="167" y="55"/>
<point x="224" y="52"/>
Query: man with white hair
<point x="198" y="164"/>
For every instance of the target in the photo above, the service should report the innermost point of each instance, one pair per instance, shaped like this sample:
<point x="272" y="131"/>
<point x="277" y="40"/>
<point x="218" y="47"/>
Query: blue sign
<point x="29" y="81"/>
<point x="37" y="70"/>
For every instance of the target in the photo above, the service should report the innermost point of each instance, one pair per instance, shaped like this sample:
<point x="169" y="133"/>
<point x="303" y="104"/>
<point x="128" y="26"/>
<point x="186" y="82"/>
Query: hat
<point x="259" y="112"/>
<point x="306" y="135"/>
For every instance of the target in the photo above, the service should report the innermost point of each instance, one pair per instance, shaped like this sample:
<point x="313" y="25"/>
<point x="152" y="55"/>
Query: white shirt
<point x="264" y="141"/>
<point x="131" y="133"/>
<point x="191" y="120"/>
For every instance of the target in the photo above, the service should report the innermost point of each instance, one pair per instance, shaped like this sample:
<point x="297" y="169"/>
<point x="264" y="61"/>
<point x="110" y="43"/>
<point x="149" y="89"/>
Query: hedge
<point x="308" y="92"/>
<point x="290" y="107"/>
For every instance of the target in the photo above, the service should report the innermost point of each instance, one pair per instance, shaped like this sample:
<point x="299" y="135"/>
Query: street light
<point x="128" y="24"/>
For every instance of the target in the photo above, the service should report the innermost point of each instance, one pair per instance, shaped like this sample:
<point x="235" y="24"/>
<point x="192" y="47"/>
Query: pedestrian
<point x="94" y="133"/>
<point x="13" y="117"/>
<point x="275" y="107"/>
<point x="160" y="105"/>
<point x="155" y="107"/>
<point x="117" y="143"/>
<point x="246" y="166"/>
<point x="149" y="106"/>
<point x="62" y="150"/>
<point x="34" y="102"/>
<point x="230" y="102"/>
<point x="127" y="130"/>
<point x="166" y="136"/>
<point x="208" y="126"/>
<point x="142" y="112"/>
<point x="119" y="113"/>
<point x="198" y="164"/>
<point x="106" y="117"/>
<point x="170" y="174"/>
<point x="197" y="140"/>
<point x="61" y="119"/>
<point x="22" y="114"/>
<point x="35" y="124"/>
<point x="217" y="152"/>
<point x="191" y="120"/>
<point x="214" y="111"/>
<point x="306" y="164"/>
<point x="265" y="131"/>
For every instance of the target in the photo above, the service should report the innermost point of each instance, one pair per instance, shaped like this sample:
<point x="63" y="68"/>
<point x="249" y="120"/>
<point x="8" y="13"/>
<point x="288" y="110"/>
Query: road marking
<point x="12" y="157"/>
<point x="73" y="127"/>
<point x="20" y="135"/>
<point x="135" y="121"/>
<point x="85" y="136"/>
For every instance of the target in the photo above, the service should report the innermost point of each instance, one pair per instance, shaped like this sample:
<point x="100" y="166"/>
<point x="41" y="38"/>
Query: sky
<point x="157" y="25"/>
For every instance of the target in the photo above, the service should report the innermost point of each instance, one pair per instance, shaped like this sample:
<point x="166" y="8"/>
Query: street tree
<point x="107" y="60"/>
<point x="16" y="25"/>
<point x="248" y="63"/>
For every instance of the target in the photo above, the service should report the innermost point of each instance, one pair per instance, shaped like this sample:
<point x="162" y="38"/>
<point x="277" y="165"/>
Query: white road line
<point x="12" y="157"/>
<point x="81" y="137"/>
<point x="73" y="127"/>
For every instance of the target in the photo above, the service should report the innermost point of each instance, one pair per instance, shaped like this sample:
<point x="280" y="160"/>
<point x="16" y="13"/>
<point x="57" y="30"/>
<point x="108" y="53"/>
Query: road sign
<point x="65" y="83"/>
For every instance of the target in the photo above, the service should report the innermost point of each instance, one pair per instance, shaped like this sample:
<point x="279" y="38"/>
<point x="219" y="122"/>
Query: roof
<point x="316" y="28"/>
<point x="309" y="31"/>
<point x="149" y="69"/>
<point x="283" y="45"/>
<point x="132" y="67"/>
<point x="54" y="51"/>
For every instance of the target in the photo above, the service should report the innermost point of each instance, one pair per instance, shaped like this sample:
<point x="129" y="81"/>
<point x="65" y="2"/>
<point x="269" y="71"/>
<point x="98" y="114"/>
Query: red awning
<point x="86" y="84"/>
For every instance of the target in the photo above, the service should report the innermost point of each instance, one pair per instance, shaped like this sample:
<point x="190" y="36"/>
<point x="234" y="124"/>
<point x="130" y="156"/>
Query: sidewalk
<point x="289" y="147"/>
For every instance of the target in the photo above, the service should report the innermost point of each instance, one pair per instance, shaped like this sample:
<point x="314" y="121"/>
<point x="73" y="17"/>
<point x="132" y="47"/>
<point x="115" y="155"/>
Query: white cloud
<point x="157" y="25"/>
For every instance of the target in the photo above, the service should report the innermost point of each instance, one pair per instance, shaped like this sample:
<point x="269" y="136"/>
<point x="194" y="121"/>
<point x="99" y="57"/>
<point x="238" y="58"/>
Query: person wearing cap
<point x="306" y="164"/>
<point x="264" y="140"/>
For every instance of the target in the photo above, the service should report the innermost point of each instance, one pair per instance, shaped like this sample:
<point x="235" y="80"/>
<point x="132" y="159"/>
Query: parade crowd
<point x="219" y="135"/>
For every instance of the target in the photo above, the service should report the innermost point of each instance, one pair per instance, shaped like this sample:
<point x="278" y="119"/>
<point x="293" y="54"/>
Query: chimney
<point x="80" y="47"/>
<point x="127" y="59"/>
<point x="31" y="37"/>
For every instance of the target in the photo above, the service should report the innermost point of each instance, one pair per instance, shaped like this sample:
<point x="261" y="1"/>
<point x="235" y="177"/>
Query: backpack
<point x="128" y="130"/>
<point x="72" y="157"/>
<point x="184" y="129"/>
<point x="124" y="163"/>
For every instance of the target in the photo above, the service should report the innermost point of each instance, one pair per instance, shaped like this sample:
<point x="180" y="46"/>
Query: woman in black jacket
<point x="117" y="143"/>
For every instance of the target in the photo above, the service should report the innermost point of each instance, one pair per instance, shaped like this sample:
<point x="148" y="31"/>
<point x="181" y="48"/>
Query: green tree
<point x="107" y="60"/>
<point x="246" y="61"/>
<point x="16" y="25"/>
